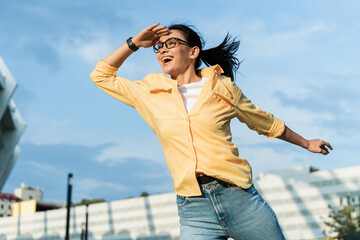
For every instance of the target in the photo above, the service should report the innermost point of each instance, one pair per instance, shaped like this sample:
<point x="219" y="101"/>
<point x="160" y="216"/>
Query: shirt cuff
<point x="277" y="128"/>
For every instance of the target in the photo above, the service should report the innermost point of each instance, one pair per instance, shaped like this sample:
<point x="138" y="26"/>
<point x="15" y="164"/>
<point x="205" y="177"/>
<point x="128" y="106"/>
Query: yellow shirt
<point x="198" y="141"/>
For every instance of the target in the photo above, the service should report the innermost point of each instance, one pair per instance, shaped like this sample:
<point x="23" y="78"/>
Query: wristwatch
<point x="131" y="45"/>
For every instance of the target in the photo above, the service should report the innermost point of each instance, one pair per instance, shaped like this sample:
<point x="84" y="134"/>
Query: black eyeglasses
<point x="170" y="43"/>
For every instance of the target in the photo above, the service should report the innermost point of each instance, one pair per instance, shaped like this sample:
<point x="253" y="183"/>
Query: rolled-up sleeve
<point x="124" y="90"/>
<point x="256" y="119"/>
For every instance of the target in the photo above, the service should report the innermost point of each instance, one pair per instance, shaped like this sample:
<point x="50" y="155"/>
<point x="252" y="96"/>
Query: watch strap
<point x="131" y="45"/>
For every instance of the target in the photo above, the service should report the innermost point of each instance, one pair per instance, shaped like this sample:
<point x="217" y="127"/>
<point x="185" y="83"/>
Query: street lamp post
<point x="68" y="205"/>
<point x="86" y="221"/>
<point x="84" y="226"/>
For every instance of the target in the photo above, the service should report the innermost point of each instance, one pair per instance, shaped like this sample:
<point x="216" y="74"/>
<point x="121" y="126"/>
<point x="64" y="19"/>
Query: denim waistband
<point x="204" y="181"/>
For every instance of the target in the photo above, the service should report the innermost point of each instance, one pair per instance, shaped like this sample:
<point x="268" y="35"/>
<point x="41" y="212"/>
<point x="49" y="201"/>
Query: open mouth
<point x="166" y="60"/>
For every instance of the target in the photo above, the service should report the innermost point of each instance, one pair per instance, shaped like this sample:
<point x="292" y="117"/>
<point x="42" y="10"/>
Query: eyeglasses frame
<point x="179" y="41"/>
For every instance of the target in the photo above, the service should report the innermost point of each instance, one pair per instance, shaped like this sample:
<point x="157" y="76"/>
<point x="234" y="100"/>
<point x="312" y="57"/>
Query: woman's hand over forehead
<point x="150" y="35"/>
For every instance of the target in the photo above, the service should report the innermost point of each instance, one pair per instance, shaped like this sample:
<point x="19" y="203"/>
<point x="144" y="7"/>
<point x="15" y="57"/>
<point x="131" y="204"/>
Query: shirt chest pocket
<point x="162" y="104"/>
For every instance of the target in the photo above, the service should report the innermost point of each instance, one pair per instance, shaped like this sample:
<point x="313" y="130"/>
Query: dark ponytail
<point x="224" y="54"/>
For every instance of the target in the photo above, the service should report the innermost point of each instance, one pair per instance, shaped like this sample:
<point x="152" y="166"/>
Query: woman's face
<point x="177" y="60"/>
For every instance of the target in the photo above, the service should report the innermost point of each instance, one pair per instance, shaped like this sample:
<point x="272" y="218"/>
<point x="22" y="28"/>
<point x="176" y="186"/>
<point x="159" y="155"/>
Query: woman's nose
<point x="163" y="50"/>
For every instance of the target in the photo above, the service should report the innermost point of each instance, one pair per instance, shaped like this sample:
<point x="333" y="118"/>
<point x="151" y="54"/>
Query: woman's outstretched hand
<point x="315" y="145"/>
<point x="318" y="146"/>
<point x="150" y="35"/>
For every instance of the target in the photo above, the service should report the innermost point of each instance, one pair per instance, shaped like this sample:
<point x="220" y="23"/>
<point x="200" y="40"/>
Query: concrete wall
<point x="153" y="217"/>
<point x="298" y="196"/>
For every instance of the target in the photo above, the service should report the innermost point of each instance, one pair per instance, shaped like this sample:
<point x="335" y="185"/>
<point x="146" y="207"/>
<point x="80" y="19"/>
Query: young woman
<point x="190" y="112"/>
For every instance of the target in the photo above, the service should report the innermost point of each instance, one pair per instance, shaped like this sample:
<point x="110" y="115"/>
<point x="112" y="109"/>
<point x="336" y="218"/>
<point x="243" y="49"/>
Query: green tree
<point x="88" y="201"/>
<point x="344" y="222"/>
<point x="144" y="194"/>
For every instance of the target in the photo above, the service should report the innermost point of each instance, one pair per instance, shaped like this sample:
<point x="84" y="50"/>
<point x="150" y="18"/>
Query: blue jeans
<point x="226" y="211"/>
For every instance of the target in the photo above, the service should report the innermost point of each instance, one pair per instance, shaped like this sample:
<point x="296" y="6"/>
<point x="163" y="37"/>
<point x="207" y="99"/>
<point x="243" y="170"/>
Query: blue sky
<point x="301" y="62"/>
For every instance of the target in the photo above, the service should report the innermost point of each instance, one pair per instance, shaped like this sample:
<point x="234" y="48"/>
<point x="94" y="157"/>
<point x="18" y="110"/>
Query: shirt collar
<point x="211" y="71"/>
<point x="208" y="72"/>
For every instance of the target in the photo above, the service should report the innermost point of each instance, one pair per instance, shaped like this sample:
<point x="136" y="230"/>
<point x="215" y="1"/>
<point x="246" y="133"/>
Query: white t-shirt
<point x="190" y="92"/>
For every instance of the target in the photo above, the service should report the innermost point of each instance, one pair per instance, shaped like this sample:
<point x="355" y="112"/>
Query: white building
<point x="24" y="193"/>
<point x="11" y="124"/>
<point x="28" y="193"/>
<point x="6" y="200"/>
<point x="299" y="196"/>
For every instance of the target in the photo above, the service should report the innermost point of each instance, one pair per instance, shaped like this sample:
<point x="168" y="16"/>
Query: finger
<point x="150" y="28"/>
<point x="159" y="28"/>
<point x="328" y="145"/>
<point x="160" y="31"/>
<point x="324" y="150"/>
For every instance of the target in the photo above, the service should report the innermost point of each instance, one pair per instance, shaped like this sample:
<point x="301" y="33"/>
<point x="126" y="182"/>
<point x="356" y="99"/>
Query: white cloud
<point x="140" y="148"/>
<point x="44" y="129"/>
<point x="260" y="41"/>
<point x="166" y="186"/>
<point x="90" y="184"/>
<point x="93" y="51"/>
<point x="89" y="50"/>
<point x="266" y="158"/>
<point x="307" y="123"/>
<point x="86" y="187"/>
<point x="261" y="44"/>
<point x="45" y="169"/>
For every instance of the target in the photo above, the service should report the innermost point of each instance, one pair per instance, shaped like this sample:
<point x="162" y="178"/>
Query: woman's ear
<point x="195" y="51"/>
